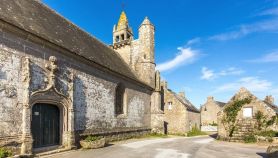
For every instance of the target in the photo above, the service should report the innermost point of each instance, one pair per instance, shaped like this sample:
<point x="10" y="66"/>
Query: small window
<point x="247" y="112"/>
<point x="117" y="38"/>
<point x="170" y="105"/>
<point x="120" y="99"/>
<point x="128" y="36"/>
<point x="145" y="56"/>
<point x="122" y="37"/>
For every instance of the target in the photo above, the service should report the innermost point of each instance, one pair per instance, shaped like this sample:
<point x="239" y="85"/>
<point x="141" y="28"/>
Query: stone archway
<point x="53" y="97"/>
<point x="48" y="95"/>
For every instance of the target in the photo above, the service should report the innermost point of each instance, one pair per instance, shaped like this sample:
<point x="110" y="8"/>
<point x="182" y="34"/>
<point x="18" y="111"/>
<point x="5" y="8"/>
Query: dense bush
<point x="250" y="139"/>
<point x="5" y="153"/>
<point x="195" y="132"/>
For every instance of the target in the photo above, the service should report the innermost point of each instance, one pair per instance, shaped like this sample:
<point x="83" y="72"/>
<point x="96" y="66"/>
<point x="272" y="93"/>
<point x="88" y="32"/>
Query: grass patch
<point x="91" y="138"/>
<point x="249" y="139"/>
<point x="156" y="135"/>
<point x="5" y="153"/>
<point x="195" y="132"/>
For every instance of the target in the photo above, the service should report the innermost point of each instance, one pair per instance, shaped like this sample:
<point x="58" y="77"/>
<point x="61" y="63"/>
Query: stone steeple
<point x="122" y="33"/>
<point x="123" y="22"/>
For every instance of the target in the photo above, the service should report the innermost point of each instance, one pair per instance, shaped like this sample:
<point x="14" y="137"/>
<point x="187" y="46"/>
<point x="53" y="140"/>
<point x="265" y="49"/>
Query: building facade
<point x="209" y="114"/>
<point x="59" y="84"/>
<point x="246" y="121"/>
<point x="180" y="115"/>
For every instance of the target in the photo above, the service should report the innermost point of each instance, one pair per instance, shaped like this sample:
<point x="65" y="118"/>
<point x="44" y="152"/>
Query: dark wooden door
<point x="45" y="125"/>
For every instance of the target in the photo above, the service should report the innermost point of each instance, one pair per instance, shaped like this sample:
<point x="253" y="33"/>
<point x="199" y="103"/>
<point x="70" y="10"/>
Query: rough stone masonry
<point x="46" y="60"/>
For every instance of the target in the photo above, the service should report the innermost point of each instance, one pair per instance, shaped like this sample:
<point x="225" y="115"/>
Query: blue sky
<point x="202" y="47"/>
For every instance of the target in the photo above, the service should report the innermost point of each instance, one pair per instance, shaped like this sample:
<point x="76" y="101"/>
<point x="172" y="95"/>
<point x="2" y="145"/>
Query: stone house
<point x="245" y="119"/>
<point x="180" y="115"/>
<point x="59" y="84"/>
<point x="209" y="114"/>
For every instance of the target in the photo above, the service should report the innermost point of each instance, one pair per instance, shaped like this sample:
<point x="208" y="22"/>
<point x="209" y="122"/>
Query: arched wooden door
<point x="45" y="125"/>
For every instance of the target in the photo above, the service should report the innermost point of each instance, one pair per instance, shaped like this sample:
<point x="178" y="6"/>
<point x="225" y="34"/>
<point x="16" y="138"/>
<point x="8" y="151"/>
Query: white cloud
<point x="231" y="71"/>
<point x="271" y="57"/>
<point x="272" y="11"/>
<point x="193" y="41"/>
<point x="184" y="56"/>
<point x="251" y="83"/>
<point x="243" y="30"/>
<point x="208" y="74"/>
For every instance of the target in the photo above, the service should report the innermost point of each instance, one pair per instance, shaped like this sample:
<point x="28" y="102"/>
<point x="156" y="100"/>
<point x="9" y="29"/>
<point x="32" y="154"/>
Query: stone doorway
<point x="45" y="125"/>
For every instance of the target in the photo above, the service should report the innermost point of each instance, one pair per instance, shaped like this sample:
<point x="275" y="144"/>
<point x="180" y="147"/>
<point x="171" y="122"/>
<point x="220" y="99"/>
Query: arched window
<point x="120" y="99"/>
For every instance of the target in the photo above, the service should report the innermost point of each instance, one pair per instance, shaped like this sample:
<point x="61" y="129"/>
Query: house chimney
<point x="210" y="98"/>
<point x="269" y="99"/>
<point x="182" y="94"/>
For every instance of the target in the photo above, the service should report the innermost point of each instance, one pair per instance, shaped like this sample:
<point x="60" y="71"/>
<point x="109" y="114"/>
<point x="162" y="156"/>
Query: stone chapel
<point x="59" y="84"/>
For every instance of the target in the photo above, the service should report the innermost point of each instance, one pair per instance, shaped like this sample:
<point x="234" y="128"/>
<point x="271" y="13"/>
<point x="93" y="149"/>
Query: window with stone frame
<point x="120" y="99"/>
<point x="247" y="112"/>
<point x="170" y="105"/>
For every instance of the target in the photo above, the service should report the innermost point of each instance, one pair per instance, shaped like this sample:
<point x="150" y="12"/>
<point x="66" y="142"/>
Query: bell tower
<point x="122" y="38"/>
<point x="122" y="33"/>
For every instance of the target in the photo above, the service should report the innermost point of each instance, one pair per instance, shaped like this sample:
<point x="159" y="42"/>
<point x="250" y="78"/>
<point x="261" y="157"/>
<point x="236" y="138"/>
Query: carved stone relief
<point x="10" y="91"/>
<point x="52" y="69"/>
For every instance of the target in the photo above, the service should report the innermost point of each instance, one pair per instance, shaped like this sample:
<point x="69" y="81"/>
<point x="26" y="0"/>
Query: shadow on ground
<point x="214" y="136"/>
<point x="263" y="155"/>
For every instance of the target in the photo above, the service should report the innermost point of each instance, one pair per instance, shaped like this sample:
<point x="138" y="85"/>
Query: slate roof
<point x="36" y="18"/>
<point x="274" y="107"/>
<point x="185" y="102"/>
<point x="220" y="104"/>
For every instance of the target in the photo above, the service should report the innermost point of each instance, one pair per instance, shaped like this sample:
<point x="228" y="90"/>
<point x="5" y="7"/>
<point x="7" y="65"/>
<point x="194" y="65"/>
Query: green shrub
<point x="92" y="138"/>
<point x="250" y="138"/>
<point x="5" y="153"/>
<point x="195" y="132"/>
<point x="213" y="124"/>
<point x="269" y="133"/>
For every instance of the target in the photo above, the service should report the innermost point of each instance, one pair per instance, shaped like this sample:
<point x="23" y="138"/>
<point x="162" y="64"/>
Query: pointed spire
<point x="122" y="21"/>
<point x="146" y="21"/>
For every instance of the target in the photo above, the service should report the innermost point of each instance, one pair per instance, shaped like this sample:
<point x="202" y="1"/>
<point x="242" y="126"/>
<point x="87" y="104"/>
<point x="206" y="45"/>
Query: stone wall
<point x="209" y="112"/>
<point x="124" y="52"/>
<point x="92" y="87"/>
<point x="176" y="116"/>
<point x="194" y="120"/>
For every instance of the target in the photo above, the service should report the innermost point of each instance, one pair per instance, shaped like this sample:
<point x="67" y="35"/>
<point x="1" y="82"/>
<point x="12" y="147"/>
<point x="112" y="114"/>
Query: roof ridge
<point x="36" y="18"/>
<point x="184" y="100"/>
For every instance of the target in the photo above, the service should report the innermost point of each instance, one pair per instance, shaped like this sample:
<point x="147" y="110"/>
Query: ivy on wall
<point x="230" y="114"/>
<point x="263" y="122"/>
